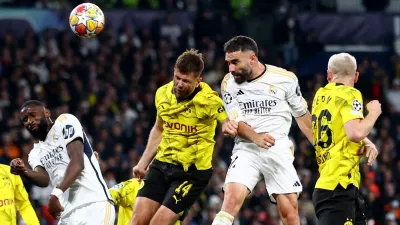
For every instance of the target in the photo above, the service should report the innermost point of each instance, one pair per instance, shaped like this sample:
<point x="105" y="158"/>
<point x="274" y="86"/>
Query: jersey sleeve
<point x="352" y="107"/>
<point x="23" y="204"/>
<point x="157" y="100"/>
<point x="215" y="107"/>
<point x="34" y="160"/>
<point x="231" y="103"/>
<point x="124" y="193"/>
<point x="297" y="103"/>
<point x="71" y="128"/>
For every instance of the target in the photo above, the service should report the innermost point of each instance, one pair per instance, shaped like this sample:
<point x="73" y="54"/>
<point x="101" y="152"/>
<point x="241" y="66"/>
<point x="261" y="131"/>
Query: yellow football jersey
<point x="13" y="194"/>
<point x="337" y="156"/>
<point x="189" y="126"/>
<point x="124" y="195"/>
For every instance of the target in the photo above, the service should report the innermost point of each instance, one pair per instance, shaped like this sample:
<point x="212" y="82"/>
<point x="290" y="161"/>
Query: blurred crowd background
<point x="109" y="83"/>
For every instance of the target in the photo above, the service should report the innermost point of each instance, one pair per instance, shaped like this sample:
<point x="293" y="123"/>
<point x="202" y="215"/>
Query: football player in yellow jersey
<point x="181" y="143"/>
<point x="13" y="194"/>
<point x="340" y="139"/>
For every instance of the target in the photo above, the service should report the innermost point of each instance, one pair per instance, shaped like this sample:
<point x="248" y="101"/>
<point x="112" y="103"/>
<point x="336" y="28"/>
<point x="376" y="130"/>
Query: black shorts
<point x="174" y="188"/>
<point x="339" y="206"/>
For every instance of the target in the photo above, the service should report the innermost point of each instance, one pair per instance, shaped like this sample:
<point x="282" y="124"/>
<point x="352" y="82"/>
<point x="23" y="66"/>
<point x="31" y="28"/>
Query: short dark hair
<point x="32" y="102"/>
<point x="241" y="43"/>
<point x="191" y="61"/>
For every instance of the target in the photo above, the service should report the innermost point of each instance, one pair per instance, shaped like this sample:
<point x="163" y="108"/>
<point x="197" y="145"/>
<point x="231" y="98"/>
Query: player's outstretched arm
<point x="358" y="129"/>
<point x="37" y="176"/>
<point x="305" y="125"/>
<point x="23" y="204"/>
<point x="154" y="140"/>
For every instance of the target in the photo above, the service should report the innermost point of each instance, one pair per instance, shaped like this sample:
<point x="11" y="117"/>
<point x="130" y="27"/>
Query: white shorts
<point x="94" y="213"/>
<point x="249" y="164"/>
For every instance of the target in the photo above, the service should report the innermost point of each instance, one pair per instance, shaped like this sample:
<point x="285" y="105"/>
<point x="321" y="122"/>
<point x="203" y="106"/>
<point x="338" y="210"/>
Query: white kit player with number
<point x="87" y="200"/>
<point x="267" y="104"/>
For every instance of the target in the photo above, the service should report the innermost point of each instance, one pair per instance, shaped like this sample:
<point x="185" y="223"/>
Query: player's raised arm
<point x="23" y="204"/>
<point x="356" y="128"/>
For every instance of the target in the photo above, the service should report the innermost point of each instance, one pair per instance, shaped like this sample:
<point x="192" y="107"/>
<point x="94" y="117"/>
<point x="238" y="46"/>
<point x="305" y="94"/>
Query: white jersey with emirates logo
<point x="52" y="155"/>
<point x="266" y="103"/>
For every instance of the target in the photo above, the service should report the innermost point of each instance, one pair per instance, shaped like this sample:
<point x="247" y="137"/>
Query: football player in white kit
<point x="64" y="157"/>
<point x="262" y="99"/>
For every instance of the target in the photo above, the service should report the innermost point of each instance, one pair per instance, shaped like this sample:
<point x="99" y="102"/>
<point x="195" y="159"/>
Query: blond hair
<point x="342" y="64"/>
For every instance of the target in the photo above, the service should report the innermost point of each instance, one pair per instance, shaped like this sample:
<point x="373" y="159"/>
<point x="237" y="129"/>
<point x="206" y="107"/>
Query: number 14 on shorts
<point x="181" y="191"/>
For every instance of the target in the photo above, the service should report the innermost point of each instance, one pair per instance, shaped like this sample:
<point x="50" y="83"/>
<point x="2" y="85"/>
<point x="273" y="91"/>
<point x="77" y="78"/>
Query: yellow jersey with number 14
<point x="337" y="156"/>
<point x="189" y="126"/>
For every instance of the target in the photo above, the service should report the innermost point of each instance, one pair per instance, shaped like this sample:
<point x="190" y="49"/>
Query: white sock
<point x="223" y="218"/>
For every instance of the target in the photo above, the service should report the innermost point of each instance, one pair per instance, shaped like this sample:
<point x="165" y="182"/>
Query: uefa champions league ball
<point x="86" y="20"/>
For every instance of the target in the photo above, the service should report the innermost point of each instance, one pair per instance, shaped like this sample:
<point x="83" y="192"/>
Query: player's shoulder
<point x="280" y="75"/>
<point x="206" y="95"/>
<point x="345" y="91"/>
<point x="66" y="117"/>
<point x="228" y="77"/>
<point x="128" y="185"/>
<point x="164" y="91"/>
<point x="4" y="167"/>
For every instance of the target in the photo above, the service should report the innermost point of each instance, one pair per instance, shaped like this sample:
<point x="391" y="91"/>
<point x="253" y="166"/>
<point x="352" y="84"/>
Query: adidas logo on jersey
<point x="240" y="92"/>
<point x="296" y="184"/>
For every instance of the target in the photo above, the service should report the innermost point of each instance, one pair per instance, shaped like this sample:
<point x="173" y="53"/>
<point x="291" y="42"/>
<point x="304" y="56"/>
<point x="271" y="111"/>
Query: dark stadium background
<point x="109" y="82"/>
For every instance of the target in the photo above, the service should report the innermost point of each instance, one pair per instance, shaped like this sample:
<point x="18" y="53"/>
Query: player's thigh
<point x="150" y="196"/>
<point x="279" y="173"/>
<point x="244" y="169"/>
<point x="335" y="207"/>
<point x="186" y="190"/>
<point x="155" y="185"/>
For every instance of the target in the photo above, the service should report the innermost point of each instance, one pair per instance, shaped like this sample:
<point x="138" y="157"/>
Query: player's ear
<point x="199" y="79"/>
<point x="47" y="113"/>
<point x="356" y="77"/>
<point x="329" y="76"/>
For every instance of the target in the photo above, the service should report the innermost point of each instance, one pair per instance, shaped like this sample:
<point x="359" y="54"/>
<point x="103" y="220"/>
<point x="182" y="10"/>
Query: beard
<point x="41" y="131"/>
<point x="242" y="76"/>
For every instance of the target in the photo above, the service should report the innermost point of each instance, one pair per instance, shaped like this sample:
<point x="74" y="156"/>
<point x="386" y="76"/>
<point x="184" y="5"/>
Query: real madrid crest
<point x="272" y="89"/>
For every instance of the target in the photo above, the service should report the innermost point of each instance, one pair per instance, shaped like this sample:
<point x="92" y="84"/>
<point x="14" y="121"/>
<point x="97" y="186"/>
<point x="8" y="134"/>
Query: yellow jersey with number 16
<point x="337" y="156"/>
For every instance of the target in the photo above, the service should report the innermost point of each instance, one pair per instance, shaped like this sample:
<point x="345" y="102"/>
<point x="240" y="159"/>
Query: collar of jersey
<point x="332" y="84"/>
<point x="255" y="78"/>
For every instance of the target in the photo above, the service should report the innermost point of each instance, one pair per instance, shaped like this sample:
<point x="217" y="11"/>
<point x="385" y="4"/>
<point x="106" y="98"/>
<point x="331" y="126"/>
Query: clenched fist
<point x="374" y="107"/>
<point x="18" y="167"/>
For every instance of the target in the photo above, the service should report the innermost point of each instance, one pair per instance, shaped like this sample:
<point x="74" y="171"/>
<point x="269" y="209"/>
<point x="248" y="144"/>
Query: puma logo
<point x="176" y="199"/>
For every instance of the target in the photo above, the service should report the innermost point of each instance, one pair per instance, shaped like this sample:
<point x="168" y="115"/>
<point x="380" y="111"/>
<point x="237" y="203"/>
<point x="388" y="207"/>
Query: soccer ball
<point x="86" y="20"/>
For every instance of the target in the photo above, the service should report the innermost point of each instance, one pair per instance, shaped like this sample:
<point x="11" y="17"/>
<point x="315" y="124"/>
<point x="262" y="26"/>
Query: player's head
<point x="187" y="71"/>
<point x="343" y="67"/>
<point x="241" y="54"/>
<point x="36" y="118"/>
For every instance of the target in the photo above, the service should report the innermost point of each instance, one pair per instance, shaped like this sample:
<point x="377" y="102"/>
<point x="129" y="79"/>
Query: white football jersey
<point x="52" y="155"/>
<point x="266" y="103"/>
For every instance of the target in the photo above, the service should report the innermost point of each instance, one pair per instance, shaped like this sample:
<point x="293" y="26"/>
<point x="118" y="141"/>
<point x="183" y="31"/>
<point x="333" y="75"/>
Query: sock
<point x="223" y="218"/>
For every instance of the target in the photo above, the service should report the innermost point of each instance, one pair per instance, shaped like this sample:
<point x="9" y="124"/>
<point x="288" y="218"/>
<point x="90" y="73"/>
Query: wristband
<point x="57" y="192"/>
